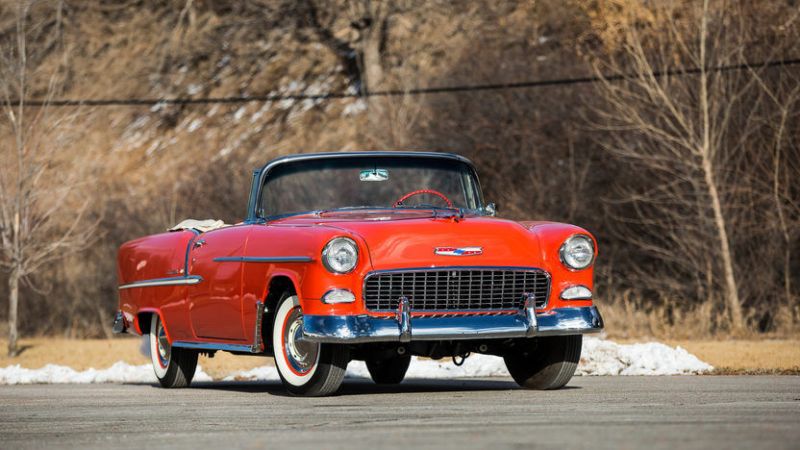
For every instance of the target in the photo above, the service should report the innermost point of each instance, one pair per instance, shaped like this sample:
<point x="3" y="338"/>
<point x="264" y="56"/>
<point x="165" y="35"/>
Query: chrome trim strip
<point x="363" y="328"/>
<point x="257" y="341"/>
<point x="189" y="247"/>
<point x="264" y="259"/>
<point x="423" y="269"/>
<point x="172" y="281"/>
<point x="244" y="348"/>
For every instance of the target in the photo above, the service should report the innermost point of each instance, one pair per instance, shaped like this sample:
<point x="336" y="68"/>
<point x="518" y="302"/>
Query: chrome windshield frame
<point x="260" y="175"/>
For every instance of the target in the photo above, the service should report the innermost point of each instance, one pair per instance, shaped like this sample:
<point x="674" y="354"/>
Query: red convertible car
<point x="373" y="256"/>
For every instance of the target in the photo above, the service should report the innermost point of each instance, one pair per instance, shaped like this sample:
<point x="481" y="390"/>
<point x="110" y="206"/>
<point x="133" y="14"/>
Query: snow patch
<point x="119" y="372"/>
<point x="193" y="89"/>
<point x="354" y="108"/>
<point x="599" y="357"/>
<point x="603" y="357"/>
<point x="194" y="125"/>
<point x="239" y="113"/>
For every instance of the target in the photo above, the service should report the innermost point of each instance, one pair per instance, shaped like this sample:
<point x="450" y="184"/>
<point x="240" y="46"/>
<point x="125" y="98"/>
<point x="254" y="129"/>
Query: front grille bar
<point x="447" y="289"/>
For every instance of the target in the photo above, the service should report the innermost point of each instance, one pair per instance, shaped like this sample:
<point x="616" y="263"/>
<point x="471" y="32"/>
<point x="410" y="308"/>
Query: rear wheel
<point x="545" y="363"/>
<point x="174" y="367"/>
<point x="306" y="368"/>
<point x="388" y="370"/>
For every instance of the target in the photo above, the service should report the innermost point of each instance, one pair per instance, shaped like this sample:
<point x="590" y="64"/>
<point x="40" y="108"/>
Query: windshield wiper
<point x="435" y="209"/>
<point x="350" y="208"/>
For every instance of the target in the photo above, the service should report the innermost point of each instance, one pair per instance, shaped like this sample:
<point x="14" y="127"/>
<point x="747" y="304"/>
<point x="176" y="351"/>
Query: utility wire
<point x="399" y="92"/>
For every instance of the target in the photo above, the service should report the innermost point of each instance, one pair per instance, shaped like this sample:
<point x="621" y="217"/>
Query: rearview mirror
<point x="374" y="175"/>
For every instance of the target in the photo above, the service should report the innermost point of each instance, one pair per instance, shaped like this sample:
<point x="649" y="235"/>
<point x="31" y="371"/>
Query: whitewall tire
<point x="174" y="367"/>
<point x="306" y="368"/>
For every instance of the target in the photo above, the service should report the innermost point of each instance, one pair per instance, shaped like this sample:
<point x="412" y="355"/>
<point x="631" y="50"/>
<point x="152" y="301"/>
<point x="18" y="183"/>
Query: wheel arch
<point x="277" y="286"/>
<point x="144" y="318"/>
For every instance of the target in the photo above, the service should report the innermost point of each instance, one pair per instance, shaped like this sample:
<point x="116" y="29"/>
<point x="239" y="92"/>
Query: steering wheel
<point x="423" y="191"/>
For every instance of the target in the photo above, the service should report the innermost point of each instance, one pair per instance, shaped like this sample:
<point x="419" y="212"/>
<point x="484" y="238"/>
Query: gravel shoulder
<point x="593" y="412"/>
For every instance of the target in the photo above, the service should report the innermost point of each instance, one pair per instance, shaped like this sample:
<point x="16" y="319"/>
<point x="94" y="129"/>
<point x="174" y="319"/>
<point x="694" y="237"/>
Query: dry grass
<point x="627" y="318"/>
<point x="82" y="354"/>
<point x="743" y="356"/>
<point x="775" y="356"/>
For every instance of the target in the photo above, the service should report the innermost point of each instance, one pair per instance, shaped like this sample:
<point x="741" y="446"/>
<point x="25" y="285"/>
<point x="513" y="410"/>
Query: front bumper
<point x="404" y="328"/>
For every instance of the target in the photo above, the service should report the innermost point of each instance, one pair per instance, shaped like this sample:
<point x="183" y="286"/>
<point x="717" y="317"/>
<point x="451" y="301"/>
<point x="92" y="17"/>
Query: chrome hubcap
<point x="162" y="345"/>
<point x="301" y="353"/>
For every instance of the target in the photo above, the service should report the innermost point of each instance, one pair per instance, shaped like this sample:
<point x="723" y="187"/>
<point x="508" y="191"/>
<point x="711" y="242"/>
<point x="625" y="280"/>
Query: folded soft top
<point x="199" y="225"/>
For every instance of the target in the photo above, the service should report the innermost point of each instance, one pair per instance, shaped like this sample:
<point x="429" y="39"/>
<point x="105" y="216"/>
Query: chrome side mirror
<point x="491" y="209"/>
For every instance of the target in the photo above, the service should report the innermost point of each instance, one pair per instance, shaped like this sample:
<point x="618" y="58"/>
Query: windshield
<point x="368" y="182"/>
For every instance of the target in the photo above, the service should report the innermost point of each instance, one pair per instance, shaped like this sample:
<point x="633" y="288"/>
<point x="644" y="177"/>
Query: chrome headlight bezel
<point x="333" y="245"/>
<point x="569" y="245"/>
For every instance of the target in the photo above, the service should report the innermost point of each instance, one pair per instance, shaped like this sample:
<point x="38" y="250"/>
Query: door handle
<point x="200" y="243"/>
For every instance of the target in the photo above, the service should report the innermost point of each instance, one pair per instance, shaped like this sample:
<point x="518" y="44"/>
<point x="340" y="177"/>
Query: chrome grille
<point x="448" y="289"/>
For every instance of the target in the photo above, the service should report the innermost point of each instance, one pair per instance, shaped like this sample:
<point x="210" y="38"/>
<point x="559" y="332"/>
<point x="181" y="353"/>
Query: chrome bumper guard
<point x="119" y="325"/>
<point x="404" y="328"/>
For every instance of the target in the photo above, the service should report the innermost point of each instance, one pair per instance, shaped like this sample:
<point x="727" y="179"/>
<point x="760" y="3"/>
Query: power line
<point x="399" y="92"/>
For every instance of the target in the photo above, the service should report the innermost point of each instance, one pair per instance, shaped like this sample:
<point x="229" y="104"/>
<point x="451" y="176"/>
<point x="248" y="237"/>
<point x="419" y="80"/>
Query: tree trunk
<point x="13" y="302"/>
<point x="731" y="291"/>
<point x="372" y="77"/>
<point x="373" y="69"/>
<point x="707" y="153"/>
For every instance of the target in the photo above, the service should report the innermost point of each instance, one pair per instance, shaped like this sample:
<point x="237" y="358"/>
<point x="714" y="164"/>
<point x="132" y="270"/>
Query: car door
<point x="215" y="304"/>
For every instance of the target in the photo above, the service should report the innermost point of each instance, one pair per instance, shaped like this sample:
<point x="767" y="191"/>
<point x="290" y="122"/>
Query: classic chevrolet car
<point x="373" y="256"/>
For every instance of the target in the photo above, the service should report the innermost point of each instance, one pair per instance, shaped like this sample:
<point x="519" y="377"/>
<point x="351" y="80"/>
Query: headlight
<point x="577" y="252"/>
<point x="340" y="255"/>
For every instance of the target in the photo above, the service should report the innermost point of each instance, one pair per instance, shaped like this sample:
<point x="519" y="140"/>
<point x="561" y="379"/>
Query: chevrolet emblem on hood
<point x="456" y="251"/>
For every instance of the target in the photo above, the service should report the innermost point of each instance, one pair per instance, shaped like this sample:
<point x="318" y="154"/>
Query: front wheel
<point x="545" y="363"/>
<point x="174" y="367"/>
<point x="306" y="368"/>
<point x="388" y="370"/>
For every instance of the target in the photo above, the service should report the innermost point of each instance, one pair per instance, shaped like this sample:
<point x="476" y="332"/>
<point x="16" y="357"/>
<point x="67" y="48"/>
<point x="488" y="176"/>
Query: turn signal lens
<point x="576" y="293"/>
<point x="338" y="296"/>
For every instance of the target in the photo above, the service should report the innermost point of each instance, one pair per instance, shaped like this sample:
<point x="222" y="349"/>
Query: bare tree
<point x="778" y="173"/>
<point x="674" y="132"/>
<point x="42" y="209"/>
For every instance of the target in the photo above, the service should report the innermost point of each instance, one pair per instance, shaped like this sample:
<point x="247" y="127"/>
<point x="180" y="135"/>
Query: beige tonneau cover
<point x="199" y="225"/>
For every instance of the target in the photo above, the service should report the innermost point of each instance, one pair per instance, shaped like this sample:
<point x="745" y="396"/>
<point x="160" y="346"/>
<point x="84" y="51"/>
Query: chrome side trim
<point x="257" y="347"/>
<point x="264" y="259"/>
<point x="244" y="348"/>
<point x="363" y="328"/>
<point x="172" y="281"/>
<point x="189" y="247"/>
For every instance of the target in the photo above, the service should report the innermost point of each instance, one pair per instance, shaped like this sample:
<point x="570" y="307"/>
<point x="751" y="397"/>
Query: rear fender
<point x="143" y="318"/>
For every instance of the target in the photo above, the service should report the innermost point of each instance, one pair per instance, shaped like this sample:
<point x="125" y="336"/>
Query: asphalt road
<point x="593" y="412"/>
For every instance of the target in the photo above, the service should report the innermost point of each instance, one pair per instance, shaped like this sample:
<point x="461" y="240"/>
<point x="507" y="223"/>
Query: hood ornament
<point x="458" y="251"/>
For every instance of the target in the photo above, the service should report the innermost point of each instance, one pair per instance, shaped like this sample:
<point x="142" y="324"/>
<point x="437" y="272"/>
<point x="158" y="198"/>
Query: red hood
<point x="407" y="239"/>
